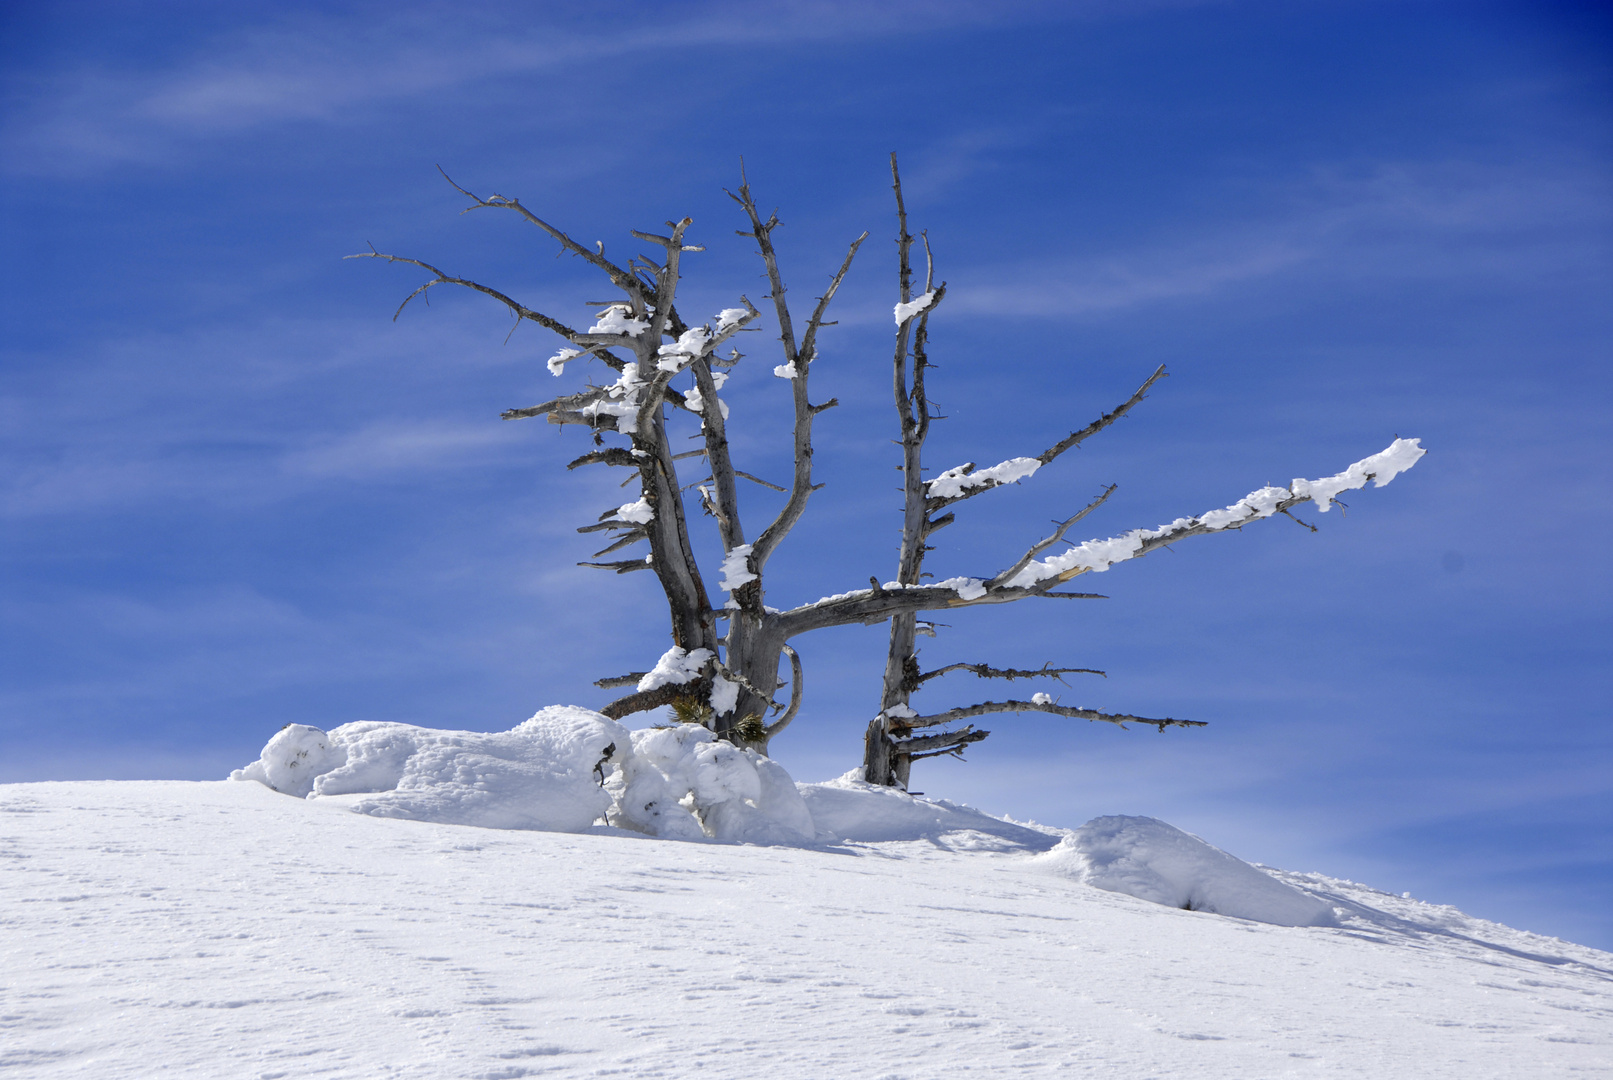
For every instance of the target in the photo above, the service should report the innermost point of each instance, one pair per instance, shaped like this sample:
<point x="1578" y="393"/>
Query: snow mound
<point x="850" y="809"/>
<point x="1146" y="858"/>
<point x="683" y="783"/>
<point x="543" y="774"/>
<point x="295" y="756"/>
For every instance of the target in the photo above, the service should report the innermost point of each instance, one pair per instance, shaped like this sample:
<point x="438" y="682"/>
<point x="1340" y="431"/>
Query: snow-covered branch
<point x="1099" y="555"/>
<point x="1029" y="577"/>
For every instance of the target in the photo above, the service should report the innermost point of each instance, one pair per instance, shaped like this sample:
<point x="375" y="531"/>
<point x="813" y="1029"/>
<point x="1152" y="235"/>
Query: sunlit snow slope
<point x="225" y="930"/>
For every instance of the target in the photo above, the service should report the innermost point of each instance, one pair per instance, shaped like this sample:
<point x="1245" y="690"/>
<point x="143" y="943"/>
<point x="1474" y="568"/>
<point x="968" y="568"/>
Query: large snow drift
<point x="568" y="769"/>
<point x="561" y="771"/>
<point x="1146" y="858"/>
<point x="544" y="774"/>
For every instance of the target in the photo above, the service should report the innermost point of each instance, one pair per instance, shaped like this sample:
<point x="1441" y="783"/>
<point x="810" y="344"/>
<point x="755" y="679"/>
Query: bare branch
<point x="759" y="480"/>
<point x="619" y="277"/>
<point x="571" y="403"/>
<point x="985" y="671"/>
<point x="630" y="679"/>
<point x="645" y="700"/>
<point x="798" y="360"/>
<point x="614" y="455"/>
<point x="521" y="310"/>
<point x="631" y="538"/>
<point x="625" y="566"/>
<point x="796" y="688"/>
<point x="1075" y="438"/>
<point x="809" y="344"/>
<point x="949" y="742"/>
<point x="985" y="707"/>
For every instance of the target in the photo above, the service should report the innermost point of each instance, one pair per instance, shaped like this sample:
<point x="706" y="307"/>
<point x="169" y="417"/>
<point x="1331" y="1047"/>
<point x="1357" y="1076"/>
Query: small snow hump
<point x="1151" y="860"/>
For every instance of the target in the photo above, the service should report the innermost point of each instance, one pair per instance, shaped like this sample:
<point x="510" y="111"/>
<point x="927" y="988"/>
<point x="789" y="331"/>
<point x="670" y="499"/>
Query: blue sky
<point x="236" y="495"/>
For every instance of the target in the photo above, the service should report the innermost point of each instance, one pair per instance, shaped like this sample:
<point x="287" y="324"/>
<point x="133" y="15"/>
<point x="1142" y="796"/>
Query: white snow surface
<point x="1098" y="555"/>
<point x="955" y="481"/>
<point x="223" y="930"/>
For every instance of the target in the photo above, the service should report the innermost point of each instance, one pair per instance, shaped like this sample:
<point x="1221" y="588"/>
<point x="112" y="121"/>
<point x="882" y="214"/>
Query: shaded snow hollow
<point x="572" y="770"/>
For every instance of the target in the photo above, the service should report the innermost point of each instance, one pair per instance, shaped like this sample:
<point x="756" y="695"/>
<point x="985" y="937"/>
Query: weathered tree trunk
<point x="886" y="762"/>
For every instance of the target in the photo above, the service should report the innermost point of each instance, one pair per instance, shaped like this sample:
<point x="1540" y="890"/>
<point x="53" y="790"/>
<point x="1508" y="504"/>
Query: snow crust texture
<point x="222" y="931"/>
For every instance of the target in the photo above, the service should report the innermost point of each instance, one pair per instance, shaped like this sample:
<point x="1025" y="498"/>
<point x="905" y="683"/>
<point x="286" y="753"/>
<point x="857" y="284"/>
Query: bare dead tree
<point x="730" y="678"/>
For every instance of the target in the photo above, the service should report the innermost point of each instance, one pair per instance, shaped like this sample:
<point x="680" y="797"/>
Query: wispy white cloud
<point x="391" y="445"/>
<point x="1396" y="221"/>
<point x="328" y="68"/>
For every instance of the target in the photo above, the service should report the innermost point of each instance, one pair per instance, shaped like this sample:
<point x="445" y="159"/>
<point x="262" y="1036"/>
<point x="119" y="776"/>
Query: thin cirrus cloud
<point x="1440" y="220"/>
<point x="326" y="69"/>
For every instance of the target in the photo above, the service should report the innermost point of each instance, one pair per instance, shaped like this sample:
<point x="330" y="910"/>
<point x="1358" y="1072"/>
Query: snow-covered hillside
<point x="226" y="930"/>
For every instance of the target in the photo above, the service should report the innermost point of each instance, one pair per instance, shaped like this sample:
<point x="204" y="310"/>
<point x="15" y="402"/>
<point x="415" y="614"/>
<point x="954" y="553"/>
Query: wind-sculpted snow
<point x="682" y="783"/>
<point x="564" y="770"/>
<point x="567" y="769"/>
<point x="1146" y="858"/>
<point x="543" y="774"/>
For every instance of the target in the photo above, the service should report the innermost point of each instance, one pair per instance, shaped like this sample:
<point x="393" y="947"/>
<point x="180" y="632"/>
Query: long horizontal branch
<point x="625" y="566"/>
<point x="986" y="671"/>
<point x="870" y="606"/>
<point x="645" y="700"/>
<point x="947" y="742"/>
<point x="987" y="707"/>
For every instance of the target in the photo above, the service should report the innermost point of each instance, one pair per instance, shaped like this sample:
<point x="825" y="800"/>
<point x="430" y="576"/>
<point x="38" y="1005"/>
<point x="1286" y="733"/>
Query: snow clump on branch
<point x="639" y="513"/>
<point x="618" y="319"/>
<point x="557" y="362"/>
<point x="954" y="482"/>
<point x="688" y="348"/>
<point x="906" y="311"/>
<point x="675" y="666"/>
<point x="736" y="569"/>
